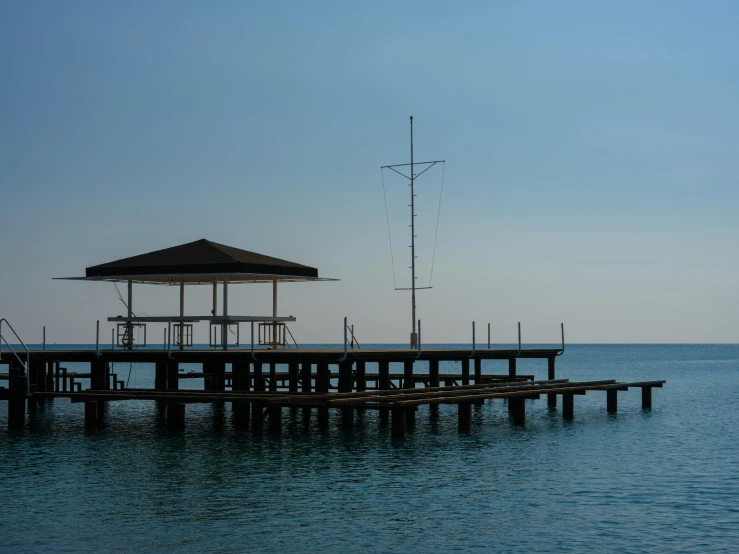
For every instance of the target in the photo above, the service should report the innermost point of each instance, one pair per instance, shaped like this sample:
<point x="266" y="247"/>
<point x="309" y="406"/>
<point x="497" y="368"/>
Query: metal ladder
<point x="26" y="364"/>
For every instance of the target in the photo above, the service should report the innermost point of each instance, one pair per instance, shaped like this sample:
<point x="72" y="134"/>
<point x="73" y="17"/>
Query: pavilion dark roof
<point x="199" y="258"/>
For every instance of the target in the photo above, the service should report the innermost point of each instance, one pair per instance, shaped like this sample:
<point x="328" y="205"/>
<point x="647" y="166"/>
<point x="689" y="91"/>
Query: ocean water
<point x="659" y="480"/>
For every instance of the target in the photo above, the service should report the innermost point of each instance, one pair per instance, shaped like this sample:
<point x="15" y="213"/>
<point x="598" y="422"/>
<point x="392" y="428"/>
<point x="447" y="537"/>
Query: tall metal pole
<point x="413" y="252"/>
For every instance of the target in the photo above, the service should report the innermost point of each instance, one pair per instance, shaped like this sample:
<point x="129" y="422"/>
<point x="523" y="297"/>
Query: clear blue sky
<point x="591" y="178"/>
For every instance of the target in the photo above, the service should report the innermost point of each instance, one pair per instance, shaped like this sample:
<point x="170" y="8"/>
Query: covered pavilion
<point x="201" y="262"/>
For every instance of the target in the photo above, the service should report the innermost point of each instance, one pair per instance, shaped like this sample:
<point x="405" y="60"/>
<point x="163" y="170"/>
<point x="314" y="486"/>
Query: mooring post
<point x="275" y="419"/>
<point x="434" y="373"/>
<point x="16" y="397"/>
<point x="551" y="398"/>
<point x="568" y="405"/>
<point x="511" y="368"/>
<point x="292" y="377"/>
<point x="258" y="377"/>
<point x="612" y="400"/>
<point x="465" y="371"/>
<point x="408" y="381"/>
<point x="345" y="376"/>
<point x="361" y="376"/>
<point x="646" y="398"/>
<point x="398" y="423"/>
<point x="478" y="371"/>
<point x="464" y="416"/>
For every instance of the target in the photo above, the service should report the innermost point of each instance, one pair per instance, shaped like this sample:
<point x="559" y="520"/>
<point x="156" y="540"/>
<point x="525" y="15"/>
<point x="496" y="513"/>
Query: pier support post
<point x="160" y="375"/>
<point x="50" y="376"/>
<point x="173" y="375"/>
<point x="275" y="419"/>
<point x="273" y="377"/>
<point x="464" y="416"/>
<point x="408" y="381"/>
<point x="465" y="371"/>
<point x="511" y="368"/>
<point x="176" y="415"/>
<point x="257" y="415"/>
<point x="568" y="405"/>
<point x="306" y="377"/>
<point x="410" y="417"/>
<point x="16" y="398"/>
<point x="478" y="371"/>
<point x="612" y="400"/>
<point x="398" y="423"/>
<point x="219" y="376"/>
<point x="383" y="370"/>
<point x="551" y="398"/>
<point x="323" y="382"/>
<point x="240" y="382"/>
<point x="361" y="376"/>
<point x="258" y="377"/>
<point x="347" y="417"/>
<point x="38" y="375"/>
<point x="646" y="398"/>
<point x="97" y="375"/>
<point x="434" y="373"/>
<point x="292" y="377"/>
<point x="345" y="376"/>
<point x="91" y="414"/>
<point x="517" y="407"/>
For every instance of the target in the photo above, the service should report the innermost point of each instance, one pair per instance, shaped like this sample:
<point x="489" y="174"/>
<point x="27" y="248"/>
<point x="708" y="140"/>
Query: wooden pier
<point x="320" y="379"/>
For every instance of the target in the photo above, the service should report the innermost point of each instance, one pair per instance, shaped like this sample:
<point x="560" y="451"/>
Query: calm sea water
<point x="659" y="480"/>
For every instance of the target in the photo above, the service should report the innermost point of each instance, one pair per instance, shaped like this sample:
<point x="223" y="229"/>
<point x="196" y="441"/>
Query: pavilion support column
<point x="465" y="371"/>
<point x="129" y="324"/>
<point x="224" y="327"/>
<point x="434" y="373"/>
<point x="408" y="380"/>
<point x="182" y="315"/>
<point x="292" y="371"/>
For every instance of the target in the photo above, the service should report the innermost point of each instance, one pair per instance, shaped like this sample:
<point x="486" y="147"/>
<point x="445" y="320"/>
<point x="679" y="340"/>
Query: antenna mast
<point x="412" y="178"/>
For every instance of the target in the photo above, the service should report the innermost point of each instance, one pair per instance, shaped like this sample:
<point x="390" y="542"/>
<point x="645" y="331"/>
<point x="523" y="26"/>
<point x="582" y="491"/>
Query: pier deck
<point x="258" y="392"/>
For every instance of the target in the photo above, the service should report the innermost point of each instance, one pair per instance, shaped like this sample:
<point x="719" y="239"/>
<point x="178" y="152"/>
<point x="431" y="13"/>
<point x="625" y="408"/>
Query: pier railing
<point x="26" y="364"/>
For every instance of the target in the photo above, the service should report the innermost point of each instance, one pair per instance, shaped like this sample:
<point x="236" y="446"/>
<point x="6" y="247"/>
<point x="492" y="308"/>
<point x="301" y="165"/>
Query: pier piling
<point x="568" y="405"/>
<point x="612" y="400"/>
<point x="464" y="416"/>
<point x="646" y="398"/>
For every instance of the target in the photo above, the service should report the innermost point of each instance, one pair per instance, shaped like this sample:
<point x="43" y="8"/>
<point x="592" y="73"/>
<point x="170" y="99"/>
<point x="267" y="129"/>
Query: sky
<point x="590" y="177"/>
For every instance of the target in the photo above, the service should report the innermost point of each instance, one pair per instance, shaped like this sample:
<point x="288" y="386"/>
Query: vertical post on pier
<point x="464" y="416"/>
<point x="16" y="397"/>
<point x="176" y="415"/>
<point x="434" y="373"/>
<point x="182" y="315"/>
<point x="305" y="377"/>
<point x="398" y="423"/>
<point x="551" y="398"/>
<point x="272" y="377"/>
<point x="568" y="405"/>
<point x="160" y="375"/>
<point x="488" y="336"/>
<point x="511" y="368"/>
<point x="257" y="410"/>
<point x="240" y="382"/>
<point x="37" y="372"/>
<point x="323" y="382"/>
<point x="129" y="323"/>
<point x="50" y="376"/>
<point x="383" y="377"/>
<point x="258" y="377"/>
<point x="173" y="376"/>
<point x="408" y="380"/>
<point x="646" y="398"/>
<point x="292" y="376"/>
<point x="612" y="400"/>
<point x="465" y="371"/>
<point x="361" y="376"/>
<point x="224" y="327"/>
<point x="478" y="371"/>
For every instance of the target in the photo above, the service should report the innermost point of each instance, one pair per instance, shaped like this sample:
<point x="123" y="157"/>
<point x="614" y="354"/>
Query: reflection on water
<point x="657" y="480"/>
